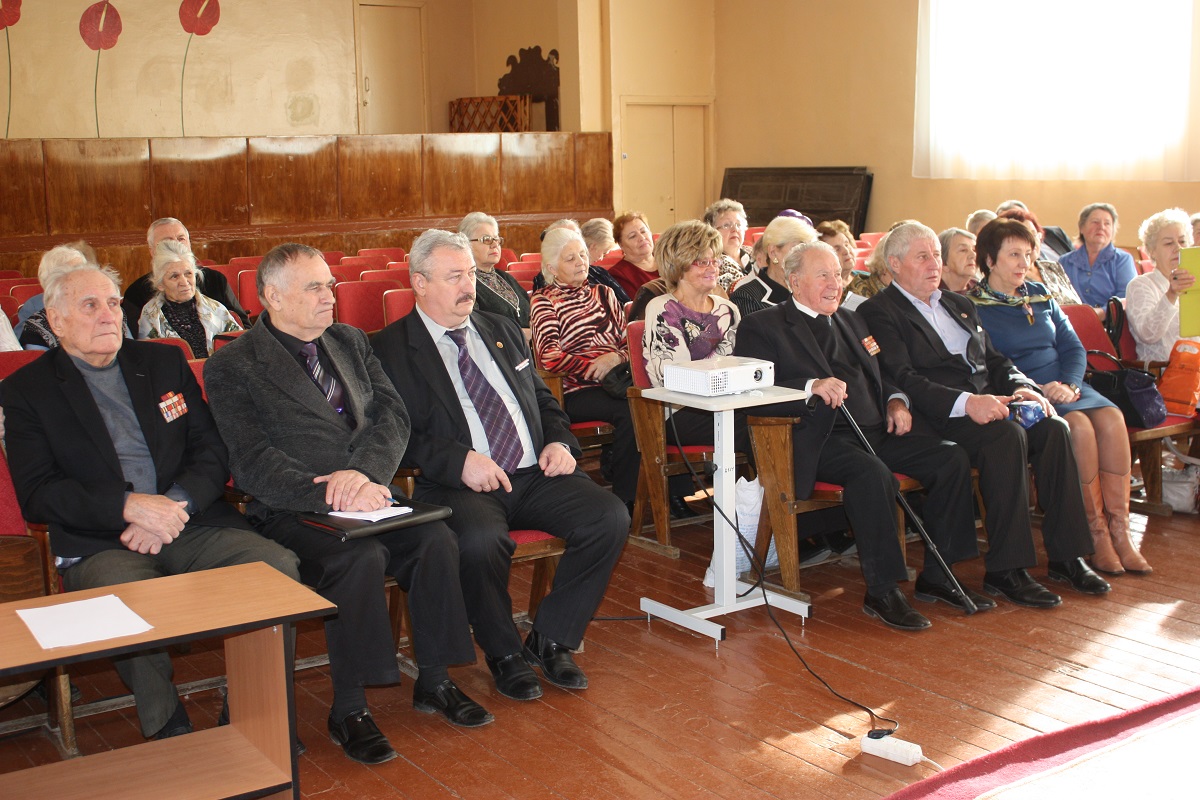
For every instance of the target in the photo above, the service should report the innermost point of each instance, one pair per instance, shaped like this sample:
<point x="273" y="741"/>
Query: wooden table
<point x="250" y="605"/>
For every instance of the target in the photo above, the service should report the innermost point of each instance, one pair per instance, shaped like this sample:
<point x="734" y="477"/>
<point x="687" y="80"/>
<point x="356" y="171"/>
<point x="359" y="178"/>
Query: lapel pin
<point x="500" y="345"/>
<point x="963" y="315"/>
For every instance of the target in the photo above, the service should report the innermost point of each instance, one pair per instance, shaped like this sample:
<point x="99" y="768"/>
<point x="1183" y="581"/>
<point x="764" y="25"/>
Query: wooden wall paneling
<point x="462" y="173"/>
<point x="523" y="237"/>
<point x="200" y="181"/>
<point x="23" y="190"/>
<point x="293" y="179"/>
<point x="538" y="172"/>
<point x="97" y="185"/>
<point x="380" y="176"/>
<point x="593" y="170"/>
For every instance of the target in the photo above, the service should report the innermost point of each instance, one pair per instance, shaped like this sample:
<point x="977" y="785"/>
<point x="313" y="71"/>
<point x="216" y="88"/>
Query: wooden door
<point x="392" y="77"/>
<point x="663" y="165"/>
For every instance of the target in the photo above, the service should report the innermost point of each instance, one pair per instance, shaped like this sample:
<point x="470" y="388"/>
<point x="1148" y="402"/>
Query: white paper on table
<point x="82" y="621"/>
<point x="373" y="516"/>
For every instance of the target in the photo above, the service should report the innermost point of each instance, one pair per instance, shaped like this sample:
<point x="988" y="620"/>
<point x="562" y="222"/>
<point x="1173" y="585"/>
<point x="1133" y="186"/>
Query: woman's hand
<point x="1058" y="392"/>
<point x="601" y="366"/>
<point x="1180" y="281"/>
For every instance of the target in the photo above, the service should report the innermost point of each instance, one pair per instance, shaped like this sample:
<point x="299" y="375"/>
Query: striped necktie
<point x="325" y="381"/>
<point x="498" y="427"/>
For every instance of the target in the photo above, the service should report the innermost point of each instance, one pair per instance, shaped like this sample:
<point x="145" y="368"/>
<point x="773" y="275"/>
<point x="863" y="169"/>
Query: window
<point x="1055" y="90"/>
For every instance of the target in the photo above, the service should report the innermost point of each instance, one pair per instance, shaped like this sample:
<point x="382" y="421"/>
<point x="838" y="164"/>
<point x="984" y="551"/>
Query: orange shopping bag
<point x="1180" y="381"/>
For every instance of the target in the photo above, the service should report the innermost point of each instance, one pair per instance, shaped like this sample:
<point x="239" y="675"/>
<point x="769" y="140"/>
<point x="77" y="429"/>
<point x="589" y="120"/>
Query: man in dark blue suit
<point x="827" y="351"/>
<point x="493" y="444"/>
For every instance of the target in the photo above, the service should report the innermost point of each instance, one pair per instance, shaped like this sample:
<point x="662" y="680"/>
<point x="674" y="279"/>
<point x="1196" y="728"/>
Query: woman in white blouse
<point x="1152" y="300"/>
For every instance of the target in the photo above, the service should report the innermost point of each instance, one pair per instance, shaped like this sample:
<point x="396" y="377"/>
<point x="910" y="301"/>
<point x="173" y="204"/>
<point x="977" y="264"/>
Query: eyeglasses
<point x="730" y="226"/>
<point x="489" y="240"/>
<point x="705" y="263"/>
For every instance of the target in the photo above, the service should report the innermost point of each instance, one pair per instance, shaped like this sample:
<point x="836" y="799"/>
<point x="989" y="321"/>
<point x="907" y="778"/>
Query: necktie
<point x="325" y="381"/>
<point x="503" y="440"/>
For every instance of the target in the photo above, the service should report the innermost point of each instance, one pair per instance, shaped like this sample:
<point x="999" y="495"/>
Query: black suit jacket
<point x="441" y="438"/>
<point x="915" y="359"/>
<point x="781" y="335"/>
<point x="65" y="466"/>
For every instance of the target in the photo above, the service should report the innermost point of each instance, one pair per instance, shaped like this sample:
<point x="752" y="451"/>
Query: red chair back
<point x="531" y="257"/>
<point x="360" y="303"/>
<point x="22" y="293"/>
<point x="11" y="273"/>
<point x="197" y="365"/>
<point x="397" y="304"/>
<point x="637" y="357"/>
<point x="524" y="273"/>
<point x="11" y="521"/>
<point x="400" y="275"/>
<point x="610" y="259"/>
<point x="222" y="339"/>
<point x="508" y="255"/>
<point x="245" y="262"/>
<point x="9" y="307"/>
<point x="6" y="284"/>
<point x="1145" y="266"/>
<point x="175" y="341"/>
<point x="388" y="253"/>
<point x="1091" y="332"/>
<point x="333" y="257"/>
<point x="247" y="283"/>
<point x="871" y="238"/>
<point x="13" y="360"/>
<point x="355" y="265"/>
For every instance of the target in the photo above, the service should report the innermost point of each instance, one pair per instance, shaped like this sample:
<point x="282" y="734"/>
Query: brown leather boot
<point x="1115" y="490"/>
<point x="1105" y="558"/>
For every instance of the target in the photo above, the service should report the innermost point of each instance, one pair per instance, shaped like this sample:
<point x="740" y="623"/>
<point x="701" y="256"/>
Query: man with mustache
<point x="494" y="445"/>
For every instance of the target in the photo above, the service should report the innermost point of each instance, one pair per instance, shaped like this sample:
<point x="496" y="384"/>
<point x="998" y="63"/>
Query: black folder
<point x="346" y="529"/>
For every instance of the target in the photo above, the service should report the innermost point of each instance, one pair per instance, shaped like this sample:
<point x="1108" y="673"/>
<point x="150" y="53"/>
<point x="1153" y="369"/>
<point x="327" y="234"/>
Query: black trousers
<point x="1000" y="451"/>
<point x="593" y="521"/>
<point x="595" y="403"/>
<point x="424" y="561"/>
<point x="870" y="489"/>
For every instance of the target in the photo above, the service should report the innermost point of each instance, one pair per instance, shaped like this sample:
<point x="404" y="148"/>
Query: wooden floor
<point x="669" y="715"/>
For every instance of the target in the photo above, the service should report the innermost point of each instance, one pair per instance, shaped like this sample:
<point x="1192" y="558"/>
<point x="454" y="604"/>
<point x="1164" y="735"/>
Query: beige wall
<point x="839" y="91"/>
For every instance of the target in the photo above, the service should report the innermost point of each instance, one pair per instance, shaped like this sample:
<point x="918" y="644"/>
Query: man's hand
<point x="556" y="460"/>
<point x="602" y="366"/>
<point x="140" y="540"/>
<point x="831" y="390"/>
<point x="899" y="418"/>
<point x="481" y="474"/>
<point x="985" y="408"/>
<point x="350" y="490"/>
<point x="1029" y="394"/>
<point x="157" y="514"/>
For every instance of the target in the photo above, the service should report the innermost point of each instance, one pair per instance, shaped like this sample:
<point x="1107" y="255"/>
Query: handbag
<point x="1131" y="390"/>
<point x="618" y="380"/>
<point x="1180" y="381"/>
<point x="1026" y="413"/>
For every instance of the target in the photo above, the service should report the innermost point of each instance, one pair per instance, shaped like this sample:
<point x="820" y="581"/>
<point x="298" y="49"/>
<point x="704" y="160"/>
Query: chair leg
<point x="1150" y="455"/>
<point x="60" y="714"/>
<point x="543" y="578"/>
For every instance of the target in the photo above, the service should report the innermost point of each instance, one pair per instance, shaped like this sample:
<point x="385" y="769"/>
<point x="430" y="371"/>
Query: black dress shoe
<point x="514" y="677"/>
<point x="447" y="698"/>
<point x="1077" y="573"/>
<point x="931" y="592"/>
<point x="361" y="738"/>
<point x="176" y="725"/>
<point x="556" y="662"/>
<point x="1019" y="587"/>
<point x="893" y="609"/>
<point x="680" y="509"/>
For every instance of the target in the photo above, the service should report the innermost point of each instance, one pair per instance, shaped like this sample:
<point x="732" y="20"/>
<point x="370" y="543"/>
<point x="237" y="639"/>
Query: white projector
<point x="712" y="377"/>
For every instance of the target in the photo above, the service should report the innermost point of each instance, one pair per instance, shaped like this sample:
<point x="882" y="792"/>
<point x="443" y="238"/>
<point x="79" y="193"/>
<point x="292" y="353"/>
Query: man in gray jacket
<point x="314" y="425"/>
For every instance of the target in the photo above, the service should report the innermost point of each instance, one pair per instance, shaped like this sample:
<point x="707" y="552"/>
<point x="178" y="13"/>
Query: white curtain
<point x="1056" y="90"/>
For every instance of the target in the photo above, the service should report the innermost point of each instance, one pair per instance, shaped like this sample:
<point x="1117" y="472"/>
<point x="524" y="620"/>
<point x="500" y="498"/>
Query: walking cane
<point x="968" y="604"/>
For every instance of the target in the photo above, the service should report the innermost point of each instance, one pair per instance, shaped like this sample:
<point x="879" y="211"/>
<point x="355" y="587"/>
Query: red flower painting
<point x="99" y="27"/>
<point x="198" y="18"/>
<point x="10" y="14"/>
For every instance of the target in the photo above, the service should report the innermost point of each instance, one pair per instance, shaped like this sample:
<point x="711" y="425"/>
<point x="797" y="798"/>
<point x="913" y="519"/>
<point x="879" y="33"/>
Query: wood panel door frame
<point x="426" y="93"/>
<point x="705" y="102"/>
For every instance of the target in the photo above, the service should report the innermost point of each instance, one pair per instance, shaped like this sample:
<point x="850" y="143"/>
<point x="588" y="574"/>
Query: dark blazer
<point x="780" y="334"/>
<point x="281" y="430"/>
<point x="441" y="438"/>
<point x="914" y="358"/>
<point x="65" y="466"/>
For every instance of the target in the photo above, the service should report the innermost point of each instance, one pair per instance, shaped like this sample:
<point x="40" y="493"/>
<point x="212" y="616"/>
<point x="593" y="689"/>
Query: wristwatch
<point x="1074" y="387"/>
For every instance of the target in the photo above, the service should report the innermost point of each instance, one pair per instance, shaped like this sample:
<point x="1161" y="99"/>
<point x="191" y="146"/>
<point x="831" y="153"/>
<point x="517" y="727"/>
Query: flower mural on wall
<point x="10" y="14"/>
<point x="99" y="27"/>
<point x="198" y="18"/>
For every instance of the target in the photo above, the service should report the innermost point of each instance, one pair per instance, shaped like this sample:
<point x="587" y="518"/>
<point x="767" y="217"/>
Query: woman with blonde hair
<point x="767" y="287"/>
<point x="1152" y="300"/>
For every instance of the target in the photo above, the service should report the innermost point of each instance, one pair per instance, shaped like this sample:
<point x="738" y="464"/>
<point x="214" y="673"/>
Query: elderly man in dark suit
<point x="112" y="446"/>
<point x="940" y="356"/>
<point x="313" y="425"/>
<point x="492" y="443"/>
<point x="827" y="351"/>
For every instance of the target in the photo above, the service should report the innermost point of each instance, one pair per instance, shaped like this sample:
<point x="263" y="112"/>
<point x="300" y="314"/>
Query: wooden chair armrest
<point x="774" y="420"/>
<point x="554" y="382"/>
<point x="406" y="479"/>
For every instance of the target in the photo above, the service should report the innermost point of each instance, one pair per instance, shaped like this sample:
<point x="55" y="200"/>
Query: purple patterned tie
<point x="503" y="440"/>
<point x="325" y="381"/>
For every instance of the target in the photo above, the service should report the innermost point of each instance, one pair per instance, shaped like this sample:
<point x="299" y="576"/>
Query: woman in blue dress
<point x="1027" y="325"/>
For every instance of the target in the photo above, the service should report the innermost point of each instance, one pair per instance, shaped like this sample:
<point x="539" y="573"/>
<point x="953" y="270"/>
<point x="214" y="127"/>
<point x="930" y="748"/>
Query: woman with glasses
<point x="495" y="290"/>
<point x="729" y="218"/>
